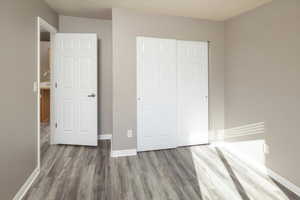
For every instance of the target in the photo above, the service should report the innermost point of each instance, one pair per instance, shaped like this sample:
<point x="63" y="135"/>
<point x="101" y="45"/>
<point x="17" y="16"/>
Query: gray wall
<point x="18" y="71"/>
<point x="129" y="24"/>
<point x="262" y="81"/>
<point x="103" y="28"/>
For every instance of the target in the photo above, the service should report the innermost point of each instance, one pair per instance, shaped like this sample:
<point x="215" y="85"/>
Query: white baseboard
<point x="25" y="187"/>
<point x="123" y="153"/>
<point x="263" y="169"/>
<point x="104" y="137"/>
<point x="283" y="181"/>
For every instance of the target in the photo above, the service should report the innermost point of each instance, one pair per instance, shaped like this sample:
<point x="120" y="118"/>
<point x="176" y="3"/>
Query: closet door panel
<point x="192" y="63"/>
<point x="156" y="94"/>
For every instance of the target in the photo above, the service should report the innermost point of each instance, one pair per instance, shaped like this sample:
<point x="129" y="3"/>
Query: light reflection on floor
<point x="226" y="174"/>
<point x="220" y="174"/>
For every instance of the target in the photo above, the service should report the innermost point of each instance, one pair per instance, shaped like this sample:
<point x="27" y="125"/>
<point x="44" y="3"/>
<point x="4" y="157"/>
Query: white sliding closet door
<point x="192" y="64"/>
<point x="156" y="93"/>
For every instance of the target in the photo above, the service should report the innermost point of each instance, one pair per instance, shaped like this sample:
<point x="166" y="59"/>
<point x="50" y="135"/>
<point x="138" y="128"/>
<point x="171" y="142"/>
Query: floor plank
<point x="198" y="172"/>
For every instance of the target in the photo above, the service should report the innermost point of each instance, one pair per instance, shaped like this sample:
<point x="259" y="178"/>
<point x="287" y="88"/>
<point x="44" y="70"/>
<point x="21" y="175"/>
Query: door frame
<point x="42" y="24"/>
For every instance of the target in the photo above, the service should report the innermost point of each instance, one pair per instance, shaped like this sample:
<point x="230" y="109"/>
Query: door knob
<point x="92" y="95"/>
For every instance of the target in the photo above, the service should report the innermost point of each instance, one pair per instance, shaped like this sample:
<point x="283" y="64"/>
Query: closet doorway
<point x="172" y="93"/>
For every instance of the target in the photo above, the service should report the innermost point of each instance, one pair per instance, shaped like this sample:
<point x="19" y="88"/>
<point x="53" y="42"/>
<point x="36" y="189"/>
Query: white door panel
<point x="192" y="63"/>
<point x="172" y="91"/>
<point x="76" y="93"/>
<point x="156" y="91"/>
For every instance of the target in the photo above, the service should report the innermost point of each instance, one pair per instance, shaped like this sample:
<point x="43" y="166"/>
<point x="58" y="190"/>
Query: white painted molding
<point x="25" y="187"/>
<point x="123" y="153"/>
<point x="263" y="169"/>
<point x="285" y="182"/>
<point x="42" y="24"/>
<point x="104" y="137"/>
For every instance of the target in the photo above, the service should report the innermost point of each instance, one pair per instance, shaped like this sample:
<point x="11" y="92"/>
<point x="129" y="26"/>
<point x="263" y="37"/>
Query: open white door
<point x="75" y="93"/>
<point x="192" y="64"/>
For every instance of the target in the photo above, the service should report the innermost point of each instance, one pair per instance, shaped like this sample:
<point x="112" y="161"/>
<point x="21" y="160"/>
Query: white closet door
<point x="157" y="93"/>
<point x="192" y="63"/>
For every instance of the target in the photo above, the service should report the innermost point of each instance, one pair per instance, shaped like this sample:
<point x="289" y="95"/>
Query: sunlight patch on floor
<point x="215" y="182"/>
<point x="255" y="181"/>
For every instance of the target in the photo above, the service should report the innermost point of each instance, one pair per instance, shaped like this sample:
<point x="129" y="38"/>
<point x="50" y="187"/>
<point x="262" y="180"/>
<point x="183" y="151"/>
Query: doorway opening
<point x="45" y="102"/>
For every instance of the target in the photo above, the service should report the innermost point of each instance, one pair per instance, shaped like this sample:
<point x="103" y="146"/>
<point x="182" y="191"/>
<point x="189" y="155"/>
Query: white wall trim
<point x="104" y="137"/>
<point x="25" y="187"/>
<point x="41" y="23"/>
<point x="123" y="153"/>
<point x="263" y="169"/>
<point x="285" y="182"/>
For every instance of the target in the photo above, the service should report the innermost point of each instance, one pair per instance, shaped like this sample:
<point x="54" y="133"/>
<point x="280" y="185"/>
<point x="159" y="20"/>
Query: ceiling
<point x="204" y="9"/>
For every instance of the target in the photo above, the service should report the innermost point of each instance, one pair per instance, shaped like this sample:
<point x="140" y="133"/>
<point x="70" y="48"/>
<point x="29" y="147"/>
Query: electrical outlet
<point x="266" y="149"/>
<point x="129" y="133"/>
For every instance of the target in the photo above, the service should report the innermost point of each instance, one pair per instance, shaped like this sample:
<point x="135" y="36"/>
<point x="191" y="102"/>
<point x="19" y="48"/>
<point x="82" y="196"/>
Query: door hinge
<point x="56" y="125"/>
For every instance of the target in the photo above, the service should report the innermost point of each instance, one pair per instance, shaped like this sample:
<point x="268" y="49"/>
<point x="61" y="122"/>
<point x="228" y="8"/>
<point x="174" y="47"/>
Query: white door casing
<point x="192" y="64"/>
<point x="156" y="93"/>
<point x="75" y="79"/>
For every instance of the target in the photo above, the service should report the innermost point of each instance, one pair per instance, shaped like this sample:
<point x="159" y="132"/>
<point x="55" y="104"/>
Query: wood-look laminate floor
<point x="199" y="172"/>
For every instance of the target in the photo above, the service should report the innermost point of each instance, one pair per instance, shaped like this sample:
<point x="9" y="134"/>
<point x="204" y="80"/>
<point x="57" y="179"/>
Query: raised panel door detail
<point x="68" y="116"/>
<point x="85" y="68"/>
<point x="76" y="93"/>
<point x="68" y="71"/>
